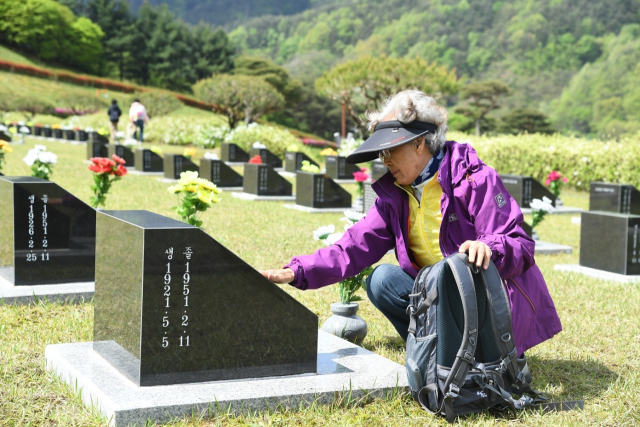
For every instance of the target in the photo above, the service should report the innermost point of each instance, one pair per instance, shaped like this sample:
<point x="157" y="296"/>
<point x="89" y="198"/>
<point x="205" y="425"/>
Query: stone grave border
<point x="67" y="292"/>
<point x="598" y="274"/>
<point x="256" y="198"/>
<point x="320" y="210"/>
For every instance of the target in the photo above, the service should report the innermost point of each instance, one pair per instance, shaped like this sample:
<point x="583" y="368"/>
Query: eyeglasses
<point x="384" y="155"/>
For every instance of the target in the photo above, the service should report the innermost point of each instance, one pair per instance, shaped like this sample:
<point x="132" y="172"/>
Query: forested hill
<point x="535" y="46"/>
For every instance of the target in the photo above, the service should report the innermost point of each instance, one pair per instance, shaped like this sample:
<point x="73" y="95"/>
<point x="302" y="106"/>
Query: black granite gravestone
<point x="47" y="235"/>
<point x="81" y="135"/>
<point x="5" y="136"/>
<point x="317" y="190"/>
<point x="69" y="134"/>
<point x="175" y="164"/>
<point x="46" y="131"/>
<point x="96" y="149"/>
<point x="524" y="189"/>
<point x="37" y="131"/>
<point x="96" y="137"/>
<point x="338" y="168"/>
<point x="262" y="180"/>
<point x="610" y="242"/>
<point x="148" y="161"/>
<point x="232" y="153"/>
<point x="173" y="306"/>
<point x="620" y="198"/>
<point x="378" y="169"/>
<point x="123" y="152"/>
<point x="369" y="198"/>
<point x="1" y="174"/>
<point x="219" y="173"/>
<point x="268" y="158"/>
<point x="293" y="161"/>
<point x="56" y="133"/>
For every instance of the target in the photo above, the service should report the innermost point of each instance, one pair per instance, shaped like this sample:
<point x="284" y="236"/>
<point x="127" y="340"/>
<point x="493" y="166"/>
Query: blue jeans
<point x="139" y="125"/>
<point x="388" y="288"/>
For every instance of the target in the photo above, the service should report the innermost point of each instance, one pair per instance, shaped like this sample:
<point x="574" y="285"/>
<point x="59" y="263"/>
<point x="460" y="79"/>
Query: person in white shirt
<point x="138" y="117"/>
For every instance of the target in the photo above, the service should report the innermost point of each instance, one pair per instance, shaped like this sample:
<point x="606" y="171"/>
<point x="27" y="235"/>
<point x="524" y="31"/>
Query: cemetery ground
<point x="595" y="358"/>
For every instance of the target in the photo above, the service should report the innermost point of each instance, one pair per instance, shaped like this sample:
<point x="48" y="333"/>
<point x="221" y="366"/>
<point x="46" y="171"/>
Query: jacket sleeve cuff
<point x="299" y="281"/>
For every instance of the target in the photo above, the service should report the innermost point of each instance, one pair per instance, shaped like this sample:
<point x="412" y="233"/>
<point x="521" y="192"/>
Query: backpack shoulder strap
<point x="459" y="264"/>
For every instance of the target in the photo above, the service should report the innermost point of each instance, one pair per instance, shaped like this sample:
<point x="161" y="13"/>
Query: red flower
<point x="256" y="160"/>
<point x="118" y="160"/>
<point x="360" y="176"/>
<point x="120" y="171"/>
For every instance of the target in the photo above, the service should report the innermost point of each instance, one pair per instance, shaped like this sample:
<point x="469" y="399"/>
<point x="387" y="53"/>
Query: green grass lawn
<point x="595" y="358"/>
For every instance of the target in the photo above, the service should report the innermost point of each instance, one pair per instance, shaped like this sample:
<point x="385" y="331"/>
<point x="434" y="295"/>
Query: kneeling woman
<point x="438" y="198"/>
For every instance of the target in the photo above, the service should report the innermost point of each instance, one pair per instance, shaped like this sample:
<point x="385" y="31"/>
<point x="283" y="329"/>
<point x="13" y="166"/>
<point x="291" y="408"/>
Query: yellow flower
<point x="204" y="198"/>
<point x="5" y="147"/>
<point x="174" y="189"/>
<point x="329" y="152"/>
<point x="189" y="178"/>
<point x="189" y="152"/>
<point x="190" y="188"/>
<point x="208" y="185"/>
<point x="56" y="126"/>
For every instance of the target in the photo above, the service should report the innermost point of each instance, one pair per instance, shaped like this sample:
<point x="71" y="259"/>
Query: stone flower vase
<point x="344" y="323"/>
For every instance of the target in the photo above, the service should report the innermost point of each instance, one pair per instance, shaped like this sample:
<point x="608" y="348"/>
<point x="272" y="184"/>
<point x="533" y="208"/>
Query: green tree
<point x="30" y="105"/>
<point x="528" y="120"/>
<point x="278" y="77"/>
<point x="363" y="84"/>
<point x="482" y="98"/>
<point x="79" y="103"/>
<point x="245" y="98"/>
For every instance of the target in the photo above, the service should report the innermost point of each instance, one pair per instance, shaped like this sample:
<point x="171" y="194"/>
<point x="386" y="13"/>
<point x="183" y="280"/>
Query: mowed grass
<point x="595" y="358"/>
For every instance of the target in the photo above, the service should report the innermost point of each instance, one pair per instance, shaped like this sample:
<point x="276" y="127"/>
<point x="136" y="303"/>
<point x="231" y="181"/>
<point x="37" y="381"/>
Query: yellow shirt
<point x="425" y="218"/>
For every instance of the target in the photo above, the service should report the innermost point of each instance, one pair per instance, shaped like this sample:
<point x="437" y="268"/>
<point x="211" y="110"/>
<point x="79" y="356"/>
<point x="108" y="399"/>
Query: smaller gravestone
<point x="524" y="189"/>
<point x="174" y="306"/>
<point x="46" y="131"/>
<point x="123" y="152"/>
<point x="97" y="149"/>
<point x="219" y="173"/>
<point x="338" y="168"/>
<point x="47" y="235"/>
<point x="175" y="164"/>
<point x="369" y="198"/>
<point x="620" y="198"/>
<point x="81" y="135"/>
<point x="96" y="137"/>
<point x="5" y="136"/>
<point x="233" y="154"/>
<point x="268" y="158"/>
<point x="262" y="180"/>
<point x="69" y="134"/>
<point x="610" y="242"/>
<point x="378" y="169"/>
<point x="148" y="161"/>
<point x="37" y="131"/>
<point x="57" y="133"/>
<point x="293" y="161"/>
<point x="317" y="190"/>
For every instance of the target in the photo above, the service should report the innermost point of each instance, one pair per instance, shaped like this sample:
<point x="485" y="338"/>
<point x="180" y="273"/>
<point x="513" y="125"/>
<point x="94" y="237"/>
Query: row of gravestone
<point x="172" y="305"/>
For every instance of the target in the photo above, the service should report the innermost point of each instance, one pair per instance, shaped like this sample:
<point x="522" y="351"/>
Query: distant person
<point x="138" y="117"/>
<point x="114" y="114"/>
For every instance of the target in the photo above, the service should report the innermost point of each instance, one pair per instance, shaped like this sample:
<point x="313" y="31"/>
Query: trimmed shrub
<point x="157" y="103"/>
<point x="277" y="140"/>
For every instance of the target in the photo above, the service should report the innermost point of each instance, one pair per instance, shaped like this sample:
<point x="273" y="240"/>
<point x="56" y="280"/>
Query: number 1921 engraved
<point x="184" y="339"/>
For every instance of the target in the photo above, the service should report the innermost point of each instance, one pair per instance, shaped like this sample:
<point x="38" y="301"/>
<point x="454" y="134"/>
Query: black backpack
<point x="461" y="358"/>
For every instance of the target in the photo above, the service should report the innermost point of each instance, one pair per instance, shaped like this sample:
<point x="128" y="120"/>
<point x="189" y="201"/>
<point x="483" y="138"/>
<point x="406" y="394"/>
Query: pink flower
<point x="360" y="176"/>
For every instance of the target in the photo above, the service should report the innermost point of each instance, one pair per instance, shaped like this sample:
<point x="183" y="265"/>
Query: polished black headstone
<point x="69" y="134"/>
<point x="96" y="137"/>
<point x="96" y="149"/>
<point x="173" y="306"/>
<point x="620" y="198"/>
<point x="527" y="229"/>
<point x="47" y="235"/>
<point x="5" y="136"/>
<point x="57" y="133"/>
<point x="37" y="131"/>
<point x="293" y="161"/>
<point x="233" y="153"/>
<point x="317" y="190"/>
<point x="262" y="180"/>
<point x="46" y="131"/>
<point x="610" y="242"/>
<point x="338" y="168"/>
<point x="1" y="174"/>
<point x="268" y="158"/>
<point x="524" y="189"/>
<point x="378" y="169"/>
<point x="148" y="161"/>
<point x="219" y="173"/>
<point x="175" y="164"/>
<point x="370" y="197"/>
<point x="124" y="152"/>
<point x="81" y="135"/>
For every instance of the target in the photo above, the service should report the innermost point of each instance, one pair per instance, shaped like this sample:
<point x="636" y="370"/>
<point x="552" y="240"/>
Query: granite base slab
<point x="286" y="174"/>
<point x="557" y="211"/>
<point x="318" y="210"/>
<point x="230" y="188"/>
<point x="548" y="248"/>
<point x="256" y="198"/>
<point x="137" y="172"/>
<point x="167" y="180"/>
<point x="598" y="274"/>
<point x="235" y="163"/>
<point x="343" y="368"/>
<point x="63" y="292"/>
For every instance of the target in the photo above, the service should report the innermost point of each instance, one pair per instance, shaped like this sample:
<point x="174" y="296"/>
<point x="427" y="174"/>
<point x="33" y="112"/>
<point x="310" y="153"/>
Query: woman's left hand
<point x="478" y="253"/>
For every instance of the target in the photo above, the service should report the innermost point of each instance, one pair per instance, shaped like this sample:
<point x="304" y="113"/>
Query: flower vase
<point x="344" y="323"/>
<point x="534" y="235"/>
<point x="558" y="202"/>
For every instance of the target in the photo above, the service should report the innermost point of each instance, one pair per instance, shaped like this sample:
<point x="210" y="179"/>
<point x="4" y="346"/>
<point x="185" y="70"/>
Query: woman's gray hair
<point x="410" y="105"/>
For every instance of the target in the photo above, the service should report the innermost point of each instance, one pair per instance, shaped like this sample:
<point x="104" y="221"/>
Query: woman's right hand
<point x="280" y="276"/>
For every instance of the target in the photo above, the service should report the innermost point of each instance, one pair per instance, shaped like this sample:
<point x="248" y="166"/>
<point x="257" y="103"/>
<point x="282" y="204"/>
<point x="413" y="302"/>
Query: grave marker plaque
<point x="173" y="306"/>
<point x="97" y="149"/>
<point x="96" y="137"/>
<point x="175" y="164"/>
<point x="47" y="235"/>
<point x="46" y="131"/>
<point x="317" y="190"/>
<point x="369" y="198"/>
<point x="57" y="133"/>
<point x="338" y="168"/>
<point x="268" y="158"/>
<point x="378" y="169"/>
<point x="262" y="180"/>
<point x="81" y="135"/>
<point x="524" y="189"/>
<point x="69" y="134"/>
<point x="610" y="242"/>
<point x="123" y="152"/>
<point x="620" y="198"/>
<point x="37" y="131"/>
<point x="219" y="173"/>
<point x="293" y="161"/>
<point x="5" y="136"/>
<point x="148" y="161"/>
<point x="232" y="153"/>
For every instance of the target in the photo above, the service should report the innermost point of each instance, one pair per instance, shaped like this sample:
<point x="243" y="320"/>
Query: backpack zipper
<point x="525" y="295"/>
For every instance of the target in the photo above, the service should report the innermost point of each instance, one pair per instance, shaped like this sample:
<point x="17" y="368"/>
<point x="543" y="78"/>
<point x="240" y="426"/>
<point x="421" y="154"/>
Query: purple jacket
<point x="475" y="206"/>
